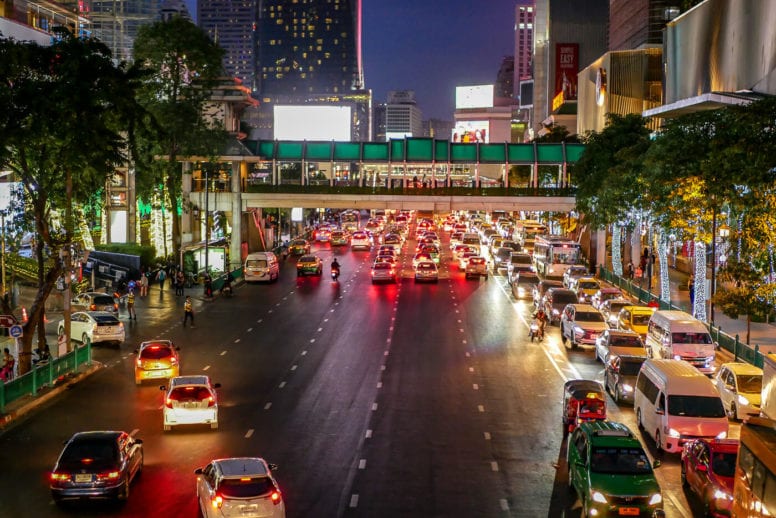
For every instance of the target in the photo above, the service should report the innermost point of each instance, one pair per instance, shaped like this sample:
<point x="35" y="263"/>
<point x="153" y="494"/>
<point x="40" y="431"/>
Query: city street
<point x="374" y="400"/>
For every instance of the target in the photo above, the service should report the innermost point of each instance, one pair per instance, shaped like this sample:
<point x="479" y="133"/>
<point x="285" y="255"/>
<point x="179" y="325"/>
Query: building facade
<point x="636" y="24"/>
<point x="403" y="118"/>
<point x="232" y="25"/>
<point x="117" y="22"/>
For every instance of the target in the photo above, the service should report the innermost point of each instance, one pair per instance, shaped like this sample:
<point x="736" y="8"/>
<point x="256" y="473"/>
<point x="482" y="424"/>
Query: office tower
<point x="524" y="34"/>
<point x="403" y="118"/>
<point x="636" y="25"/>
<point x="232" y="24"/>
<point x="504" y="86"/>
<point x="116" y="23"/>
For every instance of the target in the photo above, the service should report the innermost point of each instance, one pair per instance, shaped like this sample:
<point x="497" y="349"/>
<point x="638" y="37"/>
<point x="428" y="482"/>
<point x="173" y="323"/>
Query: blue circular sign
<point x="16" y="331"/>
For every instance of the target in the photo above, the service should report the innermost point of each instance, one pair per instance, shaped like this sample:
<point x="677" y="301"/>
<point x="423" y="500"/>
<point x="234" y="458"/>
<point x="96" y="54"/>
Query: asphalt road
<point x="374" y="400"/>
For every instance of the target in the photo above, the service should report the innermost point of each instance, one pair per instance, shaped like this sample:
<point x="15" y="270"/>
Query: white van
<point x="261" y="266"/>
<point x="677" y="335"/>
<point x="675" y="403"/>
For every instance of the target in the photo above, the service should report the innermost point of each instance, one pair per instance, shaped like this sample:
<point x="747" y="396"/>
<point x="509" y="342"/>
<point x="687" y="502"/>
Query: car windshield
<point x="588" y="285"/>
<point x="256" y="263"/>
<point x="625" y="340"/>
<point x="723" y="464"/>
<point x="690" y="338"/>
<point x="106" y="320"/>
<point x="564" y="298"/>
<point x="620" y="461"/>
<point x="695" y="406"/>
<point x="631" y="366"/>
<point x="155" y="352"/>
<point x="245" y="487"/>
<point x="98" y="451"/>
<point x="750" y="384"/>
<point x="589" y="316"/>
<point x="640" y="320"/>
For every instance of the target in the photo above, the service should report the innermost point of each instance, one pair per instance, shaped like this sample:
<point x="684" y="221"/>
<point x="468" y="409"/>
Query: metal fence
<point x="45" y="374"/>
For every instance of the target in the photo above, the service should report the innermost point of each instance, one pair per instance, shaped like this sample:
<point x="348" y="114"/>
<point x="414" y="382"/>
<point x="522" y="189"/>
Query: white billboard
<point x="312" y="123"/>
<point x="471" y="131"/>
<point x="480" y="96"/>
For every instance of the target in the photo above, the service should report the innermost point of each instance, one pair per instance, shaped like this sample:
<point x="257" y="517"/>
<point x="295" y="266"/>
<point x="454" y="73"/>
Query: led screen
<point x="471" y="131"/>
<point x="474" y="97"/>
<point x="312" y="123"/>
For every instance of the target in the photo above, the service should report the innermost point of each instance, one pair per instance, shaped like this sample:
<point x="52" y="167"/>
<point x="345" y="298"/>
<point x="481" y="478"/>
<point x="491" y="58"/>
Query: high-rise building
<point x="505" y="86"/>
<point x="524" y="35"/>
<point x="232" y="25"/>
<point x="403" y="118"/>
<point x="640" y="24"/>
<point x="116" y="22"/>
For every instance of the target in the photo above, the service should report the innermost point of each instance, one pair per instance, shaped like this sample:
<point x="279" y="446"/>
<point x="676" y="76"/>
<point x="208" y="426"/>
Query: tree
<point x="743" y="296"/>
<point x="184" y="65"/>
<point x="67" y="114"/>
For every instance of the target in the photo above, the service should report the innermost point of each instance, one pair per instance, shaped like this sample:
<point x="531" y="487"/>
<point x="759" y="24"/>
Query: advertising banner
<point x="566" y="70"/>
<point x="471" y="131"/>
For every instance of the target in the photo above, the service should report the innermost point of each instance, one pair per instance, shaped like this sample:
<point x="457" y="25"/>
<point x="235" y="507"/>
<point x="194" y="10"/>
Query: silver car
<point x="242" y="486"/>
<point x="95" y="326"/>
<point x="94" y="301"/>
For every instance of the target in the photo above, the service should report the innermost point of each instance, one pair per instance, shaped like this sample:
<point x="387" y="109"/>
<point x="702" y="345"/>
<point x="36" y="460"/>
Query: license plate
<point x="81" y="477"/>
<point x="629" y="511"/>
<point x="156" y="374"/>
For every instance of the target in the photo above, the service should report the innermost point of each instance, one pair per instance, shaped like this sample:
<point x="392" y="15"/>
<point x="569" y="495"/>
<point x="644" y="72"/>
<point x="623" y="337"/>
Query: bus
<point x="526" y="231"/>
<point x="350" y="220"/>
<point x="553" y="255"/>
<point x="754" y="488"/>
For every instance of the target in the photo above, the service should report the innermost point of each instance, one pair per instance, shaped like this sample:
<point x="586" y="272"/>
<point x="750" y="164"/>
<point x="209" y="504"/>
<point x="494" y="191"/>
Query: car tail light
<point x="217" y="501"/>
<point x="275" y="497"/>
<point x="173" y="361"/>
<point x="92" y="307"/>
<point x="116" y="307"/>
<point x="211" y="401"/>
<point x="59" y="477"/>
<point x="108" y="475"/>
<point x="139" y="362"/>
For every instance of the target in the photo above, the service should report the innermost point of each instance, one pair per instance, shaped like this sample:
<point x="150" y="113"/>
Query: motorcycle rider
<point x="541" y="318"/>
<point x="335" y="268"/>
<point x="227" y="288"/>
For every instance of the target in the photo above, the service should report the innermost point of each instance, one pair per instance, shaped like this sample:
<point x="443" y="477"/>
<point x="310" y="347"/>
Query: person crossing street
<point x="131" y="305"/>
<point x="188" y="311"/>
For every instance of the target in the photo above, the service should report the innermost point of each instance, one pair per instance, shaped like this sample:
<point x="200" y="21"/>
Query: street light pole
<point x="207" y="209"/>
<point x="2" y="257"/>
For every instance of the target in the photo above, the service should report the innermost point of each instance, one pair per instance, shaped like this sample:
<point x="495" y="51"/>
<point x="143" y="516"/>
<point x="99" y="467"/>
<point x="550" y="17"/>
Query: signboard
<point x="566" y="70"/>
<point x="471" y="131"/>
<point x="312" y="122"/>
<point x="7" y="320"/>
<point x="480" y="96"/>
<point x="16" y="331"/>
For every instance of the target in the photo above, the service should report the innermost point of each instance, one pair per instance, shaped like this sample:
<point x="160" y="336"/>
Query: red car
<point x="708" y="466"/>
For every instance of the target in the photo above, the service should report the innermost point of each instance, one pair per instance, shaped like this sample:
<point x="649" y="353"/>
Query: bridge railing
<point x="405" y="191"/>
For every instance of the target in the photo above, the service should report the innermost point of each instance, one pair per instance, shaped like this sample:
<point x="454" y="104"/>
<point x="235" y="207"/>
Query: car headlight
<point x="673" y="433"/>
<point x="627" y="388"/>
<point x="721" y="495"/>
<point x="599" y="497"/>
<point x="677" y="357"/>
<point x="655" y="499"/>
<point x="722" y="435"/>
<point x="742" y="400"/>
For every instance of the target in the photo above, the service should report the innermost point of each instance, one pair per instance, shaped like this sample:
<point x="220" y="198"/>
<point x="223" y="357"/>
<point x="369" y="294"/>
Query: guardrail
<point x="732" y="344"/>
<point x="45" y="374"/>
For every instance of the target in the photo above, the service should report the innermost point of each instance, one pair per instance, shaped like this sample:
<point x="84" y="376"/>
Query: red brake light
<point x="168" y="402"/>
<point x="59" y="477"/>
<point x="275" y="497"/>
<point x="211" y="401"/>
<point x="110" y="475"/>
<point x="92" y="307"/>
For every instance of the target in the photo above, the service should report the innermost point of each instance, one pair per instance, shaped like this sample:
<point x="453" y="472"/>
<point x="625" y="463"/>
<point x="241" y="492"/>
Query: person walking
<point x="180" y="282"/>
<point x="131" y="305"/>
<point x="144" y="284"/>
<point x="161" y="276"/>
<point x="691" y="288"/>
<point x="631" y="271"/>
<point x="188" y="311"/>
<point x="6" y="373"/>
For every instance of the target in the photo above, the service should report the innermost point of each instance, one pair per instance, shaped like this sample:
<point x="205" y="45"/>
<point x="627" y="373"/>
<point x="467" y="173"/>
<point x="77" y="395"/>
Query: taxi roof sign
<point x="613" y="433"/>
<point x="592" y="395"/>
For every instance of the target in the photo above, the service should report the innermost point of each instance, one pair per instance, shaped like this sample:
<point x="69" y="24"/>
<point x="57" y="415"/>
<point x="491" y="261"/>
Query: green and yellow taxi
<point x="611" y="473"/>
<point x="309" y="265"/>
<point x="586" y="287"/>
<point x="298" y="247"/>
<point x="157" y="359"/>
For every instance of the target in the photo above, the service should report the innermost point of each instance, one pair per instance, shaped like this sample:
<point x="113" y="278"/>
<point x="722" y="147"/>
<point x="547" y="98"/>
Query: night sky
<point x="432" y="46"/>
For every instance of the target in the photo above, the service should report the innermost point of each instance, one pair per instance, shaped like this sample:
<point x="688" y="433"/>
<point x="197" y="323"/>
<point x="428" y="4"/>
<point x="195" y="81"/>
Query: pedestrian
<point x="161" y="276"/>
<point x="188" y="311"/>
<point x="6" y="373"/>
<point x="131" y="305"/>
<point x="631" y="270"/>
<point x="180" y="282"/>
<point x="144" y="284"/>
<point x="691" y="288"/>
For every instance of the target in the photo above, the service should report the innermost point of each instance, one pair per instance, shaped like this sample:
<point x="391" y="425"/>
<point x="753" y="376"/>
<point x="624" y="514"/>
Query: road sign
<point x="7" y="320"/>
<point x="16" y="331"/>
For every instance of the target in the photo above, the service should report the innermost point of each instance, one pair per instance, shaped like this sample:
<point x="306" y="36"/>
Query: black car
<point x="96" y="465"/>
<point x="620" y="376"/>
<point x="555" y="300"/>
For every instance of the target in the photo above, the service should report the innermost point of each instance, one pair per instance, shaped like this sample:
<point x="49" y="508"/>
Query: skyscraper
<point x="232" y="24"/>
<point x="524" y="31"/>
<point x="116" y="22"/>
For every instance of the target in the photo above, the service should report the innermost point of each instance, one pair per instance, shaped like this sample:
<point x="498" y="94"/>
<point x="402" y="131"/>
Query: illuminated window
<point x="327" y="55"/>
<point x="319" y="48"/>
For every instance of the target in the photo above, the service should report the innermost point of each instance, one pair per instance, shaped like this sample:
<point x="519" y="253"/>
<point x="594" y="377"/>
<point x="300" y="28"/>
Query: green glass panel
<point x="376" y="151"/>
<point x="441" y="150"/>
<point x="521" y="153"/>
<point x="463" y="153"/>
<point x="290" y="150"/>
<point x="397" y="150"/>
<point x="493" y="153"/>
<point x="550" y="153"/>
<point x="318" y="151"/>
<point x="574" y="152"/>
<point x="267" y="149"/>
<point x="419" y="149"/>
<point x="347" y="151"/>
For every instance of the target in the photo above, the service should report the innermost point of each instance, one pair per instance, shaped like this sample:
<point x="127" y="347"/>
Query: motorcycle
<point x="335" y="274"/>
<point x="535" y="331"/>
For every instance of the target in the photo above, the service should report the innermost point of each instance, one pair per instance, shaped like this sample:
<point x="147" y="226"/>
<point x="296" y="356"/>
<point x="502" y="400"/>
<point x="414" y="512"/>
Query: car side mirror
<point x="198" y="471"/>
<point x="701" y="468"/>
<point x="272" y="467"/>
<point x="138" y="441"/>
<point x="660" y="411"/>
<point x="162" y="387"/>
<point x="135" y="351"/>
<point x="178" y="348"/>
<point x="217" y="385"/>
<point x="656" y="463"/>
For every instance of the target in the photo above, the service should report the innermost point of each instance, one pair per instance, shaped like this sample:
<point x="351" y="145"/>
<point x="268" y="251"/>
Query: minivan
<point x="261" y="266"/>
<point x="675" y="404"/>
<point x="677" y="335"/>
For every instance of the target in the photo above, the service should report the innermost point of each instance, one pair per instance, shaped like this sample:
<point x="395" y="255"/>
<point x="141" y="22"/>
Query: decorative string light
<point x="616" y="255"/>
<point x="699" y="307"/>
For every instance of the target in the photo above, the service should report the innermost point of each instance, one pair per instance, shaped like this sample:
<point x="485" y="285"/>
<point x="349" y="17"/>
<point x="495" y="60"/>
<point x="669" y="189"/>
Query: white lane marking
<point x="468" y="355"/>
<point x="494" y="466"/>
<point x="504" y="504"/>
<point x="134" y="432"/>
<point x="374" y="407"/>
<point x="282" y="384"/>
<point x="223" y="352"/>
<point x="249" y="330"/>
<point x="259" y="321"/>
<point x="487" y="436"/>
<point x="337" y="303"/>
<point x="461" y="330"/>
<point x="471" y="369"/>
<point x="312" y="340"/>
<point x="457" y="311"/>
<point x="206" y="367"/>
<point x="382" y="367"/>
<point x="480" y="408"/>
<point x="362" y="464"/>
<point x="320" y="329"/>
<point x="459" y="320"/>
<point x="267" y="406"/>
<point x="304" y="353"/>
<point x="285" y="298"/>
<point x="125" y="357"/>
<point x="388" y="340"/>
<point x="353" y="501"/>
<point x="237" y="340"/>
<point x="368" y="434"/>
<point x="270" y="311"/>
<point x="293" y="367"/>
<point x="475" y="386"/>
<point x="249" y="433"/>
<point x="393" y="318"/>
<point x="390" y="328"/>
<point x="379" y="384"/>
<point x="325" y="319"/>
<point x="386" y="353"/>
<point x="463" y="341"/>
<point x="331" y="311"/>
<point x="277" y="304"/>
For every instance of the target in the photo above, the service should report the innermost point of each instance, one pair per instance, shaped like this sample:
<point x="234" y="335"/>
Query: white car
<point x="95" y="326"/>
<point x="360" y="241"/>
<point x="241" y="486"/>
<point x="190" y="400"/>
<point x="581" y="324"/>
<point x="740" y="388"/>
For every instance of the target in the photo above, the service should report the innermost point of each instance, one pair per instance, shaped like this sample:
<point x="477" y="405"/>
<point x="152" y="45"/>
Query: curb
<point x="30" y="403"/>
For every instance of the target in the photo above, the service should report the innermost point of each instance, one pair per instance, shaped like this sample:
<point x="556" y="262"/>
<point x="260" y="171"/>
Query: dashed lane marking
<point x="312" y="340"/>
<point x="249" y="330"/>
<point x="237" y="340"/>
<point x="379" y="384"/>
<point x="320" y="329"/>
<point x="504" y="504"/>
<point x="259" y="321"/>
<point x="206" y="367"/>
<point x="475" y="386"/>
<point x="494" y="466"/>
<point x="223" y="352"/>
<point x="249" y="433"/>
<point x="282" y="384"/>
<point x="382" y="367"/>
<point x="362" y="464"/>
<point x="368" y="434"/>
<point x="487" y="435"/>
<point x="374" y="407"/>
<point x="294" y="367"/>
<point x="480" y="408"/>
<point x="353" y="501"/>
<point x="304" y="353"/>
<point x="267" y="406"/>
<point x="471" y="369"/>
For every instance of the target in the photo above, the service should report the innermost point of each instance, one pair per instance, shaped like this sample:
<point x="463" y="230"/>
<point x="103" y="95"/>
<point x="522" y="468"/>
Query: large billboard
<point x="480" y="96"/>
<point x="566" y="70"/>
<point x="312" y="123"/>
<point x="471" y="131"/>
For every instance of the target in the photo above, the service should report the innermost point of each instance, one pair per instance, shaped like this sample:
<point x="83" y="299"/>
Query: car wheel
<point x="733" y="411"/>
<point x="84" y="338"/>
<point x="658" y="442"/>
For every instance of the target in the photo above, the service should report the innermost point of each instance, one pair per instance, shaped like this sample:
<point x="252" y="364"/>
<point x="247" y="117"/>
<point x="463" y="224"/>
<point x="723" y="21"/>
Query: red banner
<point x="566" y="70"/>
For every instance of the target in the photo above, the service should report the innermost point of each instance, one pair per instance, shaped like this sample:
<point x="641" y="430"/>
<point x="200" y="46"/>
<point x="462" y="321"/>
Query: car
<point x="519" y="262"/>
<point x="460" y="249"/>
<point x="393" y="239"/>
<point x="463" y="258"/>
<point x="585" y="288"/>
<point x="338" y="238"/>
<point x="94" y="301"/>
<point x="426" y="271"/>
<point x="96" y="465"/>
<point x="476" y="266"/>
<point x="501" y="259"/>
<point x="95" y="326"/>
<point x="455" y="238"/>
<point x="604" y="294"/>
<point x="541" y="290"/>
<point x="157" y="359"/>
<point x="620" y="373"/>
<point x="708" y="471"/>
<point x="261" y="266"/>
<point x="322" y="234"/>
<point x="239" y="486"/>
<point x="581" y="324"/>
<point x="611" y="310"/>
<point x="740" y="387"/>
<point x="610" y="471"/>
<point x="419" y="257"/>
<point x="360" y="241"/>
<point x="574" y="272"/>
<point x="617" y="341"/>
<point x="309" y="265"/>
<point x="383" y="272"/>
<point x="298" y="247"/>
<point x="524" y="285"/>
<point x="635" y="318"/>
<point x="555" y="301"/>
<point x="431" y="250"/>
<point x="190" y="400"/>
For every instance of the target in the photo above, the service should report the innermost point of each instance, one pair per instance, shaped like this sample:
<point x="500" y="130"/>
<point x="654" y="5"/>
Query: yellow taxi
<point x="636" y="319"/>
<point x="157" y="359"/>
<point x="586" y="287"/>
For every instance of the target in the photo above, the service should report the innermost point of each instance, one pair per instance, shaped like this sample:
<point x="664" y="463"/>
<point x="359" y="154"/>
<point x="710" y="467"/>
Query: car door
<point x="77" y="325"/>
<point x="726" y="386"/>
<point x="206" y="488"/>
<point x="579" y="463"/>
<point x="602" y="345"/>
<point x="700" y="478"/>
